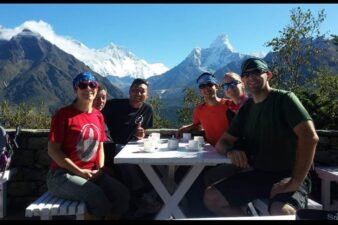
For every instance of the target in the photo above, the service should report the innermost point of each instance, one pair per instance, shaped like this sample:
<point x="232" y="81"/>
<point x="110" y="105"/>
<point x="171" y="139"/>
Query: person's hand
<point x="86" y="173"/>
<point x="96" y="174"/>
<point x="238" y="158"/>
<point x="89" y="174"/>
<point x="284" y="186"/>
<point x="140" y="132"/>
<point x="178" y="133"/>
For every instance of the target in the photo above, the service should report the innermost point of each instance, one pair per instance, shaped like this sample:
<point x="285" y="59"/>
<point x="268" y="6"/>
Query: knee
<point x="280" y="208"/>
<point x="213" y="198"/>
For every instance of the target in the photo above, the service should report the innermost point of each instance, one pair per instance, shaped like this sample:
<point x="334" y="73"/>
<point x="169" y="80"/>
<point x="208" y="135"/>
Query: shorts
<point x="244" y="187"/>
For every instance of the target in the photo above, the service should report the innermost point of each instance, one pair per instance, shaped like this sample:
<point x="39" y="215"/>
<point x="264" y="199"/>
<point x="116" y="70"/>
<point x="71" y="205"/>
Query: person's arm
<point x="306" y="146"/>
<point x="55" y="152"/>
<point x="101" y="156"/>
<point x="186" y="129"/>
<point x="225" y="145"/>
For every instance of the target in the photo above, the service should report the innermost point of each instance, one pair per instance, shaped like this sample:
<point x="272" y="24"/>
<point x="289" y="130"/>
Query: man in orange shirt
<point x="211" y="114"/>
<point x="212" y="117"/>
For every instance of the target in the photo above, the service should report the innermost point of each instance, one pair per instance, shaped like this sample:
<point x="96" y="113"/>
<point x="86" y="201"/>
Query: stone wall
<point x="31" y="162"/>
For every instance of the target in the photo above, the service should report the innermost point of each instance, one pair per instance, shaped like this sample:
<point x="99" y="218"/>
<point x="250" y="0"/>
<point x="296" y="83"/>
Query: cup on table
<point x="172" y="144"/>
<point x="148" y="145"/>
<point x="156" y="138"/>
<point x="186" y="137"/>
<point x="200" y="139"/>
<point x="193" y="145"/>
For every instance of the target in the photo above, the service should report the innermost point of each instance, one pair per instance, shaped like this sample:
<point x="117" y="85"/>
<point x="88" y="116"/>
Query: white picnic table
<point x="170" y="193"/>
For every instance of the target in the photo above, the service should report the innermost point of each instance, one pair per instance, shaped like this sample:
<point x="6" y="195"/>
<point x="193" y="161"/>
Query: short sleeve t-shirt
<point x="121" y="118"/>
<point x="79" y="134"/>
<point x="213" y="119"/>
<point x="267" y="130"/>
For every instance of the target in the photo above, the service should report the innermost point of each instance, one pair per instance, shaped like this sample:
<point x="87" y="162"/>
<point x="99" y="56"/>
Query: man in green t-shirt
<point x="278" y="142"/>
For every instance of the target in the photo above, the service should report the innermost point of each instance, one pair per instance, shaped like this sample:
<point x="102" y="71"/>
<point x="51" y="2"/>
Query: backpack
<point x="7" y="145"/>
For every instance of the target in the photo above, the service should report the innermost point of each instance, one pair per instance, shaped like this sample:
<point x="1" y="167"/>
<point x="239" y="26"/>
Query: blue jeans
<point x="103" y="196"/>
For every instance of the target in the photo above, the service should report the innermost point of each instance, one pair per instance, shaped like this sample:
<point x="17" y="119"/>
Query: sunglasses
<point x="84" y="85"/>
<point x="255" y="72"/>
<point x="231" y="84"/>
<point x="201" y="86"/>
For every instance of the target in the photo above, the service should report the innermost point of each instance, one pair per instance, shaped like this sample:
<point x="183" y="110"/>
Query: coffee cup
<point x="200" y="139"/>
<point x="155" y="136"/>
<point x="186" y="136"/>
<point x="172" y="144"/>
<point x="148" y="145"/>
<point x="193" y="145"/>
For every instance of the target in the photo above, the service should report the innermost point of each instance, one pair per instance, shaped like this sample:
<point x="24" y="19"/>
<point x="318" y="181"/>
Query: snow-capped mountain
<point x="219" y="54"/>
<point x="111" y="60"/>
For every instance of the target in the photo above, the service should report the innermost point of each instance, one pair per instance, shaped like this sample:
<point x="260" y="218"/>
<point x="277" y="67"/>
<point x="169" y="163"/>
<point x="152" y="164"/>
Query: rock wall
<point x="31" y="162"/>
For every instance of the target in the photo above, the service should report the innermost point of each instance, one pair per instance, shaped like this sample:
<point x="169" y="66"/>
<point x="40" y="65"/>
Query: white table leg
<point x="326" y="192"/>
<point x="160" y="189"/>
<point x="183" y="187"/>
<point x="171" y="207"/>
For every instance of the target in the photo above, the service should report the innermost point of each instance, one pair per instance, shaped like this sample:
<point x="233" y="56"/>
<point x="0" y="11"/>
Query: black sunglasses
<point x="255" y="72"/>
<point x="233" y="83"/>
<point x="201" y="86"/>
<point x="84" y="85"/>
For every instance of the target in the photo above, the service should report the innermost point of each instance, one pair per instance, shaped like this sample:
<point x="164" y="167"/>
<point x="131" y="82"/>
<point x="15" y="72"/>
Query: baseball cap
<point x="84" y="76"/>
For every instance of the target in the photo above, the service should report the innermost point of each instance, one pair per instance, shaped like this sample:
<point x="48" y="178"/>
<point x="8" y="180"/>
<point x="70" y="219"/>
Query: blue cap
<point x="84" y="76"/>
<point x="205" y="78"/>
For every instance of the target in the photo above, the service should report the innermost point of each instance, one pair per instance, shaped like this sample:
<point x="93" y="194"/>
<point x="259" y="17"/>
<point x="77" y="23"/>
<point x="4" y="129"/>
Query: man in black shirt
<point x="127" y="119"/>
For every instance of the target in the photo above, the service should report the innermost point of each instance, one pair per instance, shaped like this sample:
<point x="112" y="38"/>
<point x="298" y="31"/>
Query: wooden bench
<point x="3" y="189"/>
<point x="259" y="207"/>
<point x="48" y="206"/>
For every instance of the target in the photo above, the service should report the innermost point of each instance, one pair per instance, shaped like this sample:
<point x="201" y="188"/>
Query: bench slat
<point x="56" y="207"/>
<point x="31" y="207"/>
<point x="47" y="209"/>
<point x="41" y="205"/>
<point x="48" y="205"/>
<point x="64" y="207"/>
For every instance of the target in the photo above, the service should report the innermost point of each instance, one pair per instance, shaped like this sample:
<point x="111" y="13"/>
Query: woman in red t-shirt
<point x="75" y="144"/>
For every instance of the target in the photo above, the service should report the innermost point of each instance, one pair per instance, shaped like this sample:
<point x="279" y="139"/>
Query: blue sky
<point x="165" y="33"/>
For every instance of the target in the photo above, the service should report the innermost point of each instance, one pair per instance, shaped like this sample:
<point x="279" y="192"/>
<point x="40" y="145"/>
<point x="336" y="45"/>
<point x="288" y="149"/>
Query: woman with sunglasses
<point x="75" y="144"/>
<point x="235" y="91"/>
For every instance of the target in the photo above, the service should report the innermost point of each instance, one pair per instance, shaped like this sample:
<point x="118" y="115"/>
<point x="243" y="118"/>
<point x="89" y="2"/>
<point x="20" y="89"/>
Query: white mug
<point x="155" y="136"/>
<point x="186" y="136"/>
<point x="172" y="144"/>
<point x="193" y="145"/>
<point x="149" y="145"/>
<point x="200" y="139"/>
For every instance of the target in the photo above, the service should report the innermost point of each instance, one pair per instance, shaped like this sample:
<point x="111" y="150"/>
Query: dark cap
<point x="205" y="78"/>
<point x="254" y="63"/>
<point x="84" y="76"/>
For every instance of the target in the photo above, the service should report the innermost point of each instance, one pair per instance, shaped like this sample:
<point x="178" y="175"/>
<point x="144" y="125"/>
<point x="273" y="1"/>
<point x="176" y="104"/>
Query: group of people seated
<point x="267" y="133"/>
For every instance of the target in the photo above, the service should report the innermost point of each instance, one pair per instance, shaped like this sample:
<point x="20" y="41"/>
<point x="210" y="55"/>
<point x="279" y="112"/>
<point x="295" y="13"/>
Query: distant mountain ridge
<point x="34" y="71"/>
<point x="216" y="57"/>
<point x="111" y="60"/>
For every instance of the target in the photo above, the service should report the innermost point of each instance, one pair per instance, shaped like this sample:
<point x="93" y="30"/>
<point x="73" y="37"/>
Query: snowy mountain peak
<point x="111" y="60"/>
<point x="221" y="42"/>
